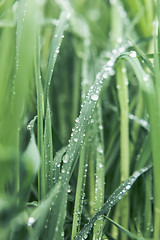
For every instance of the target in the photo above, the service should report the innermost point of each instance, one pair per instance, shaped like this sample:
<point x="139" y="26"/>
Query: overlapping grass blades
<point x="72" y="152"/>
<point x="113" y="199"/>
<point x="127" y="233"/>
<point x="40" y="214"/>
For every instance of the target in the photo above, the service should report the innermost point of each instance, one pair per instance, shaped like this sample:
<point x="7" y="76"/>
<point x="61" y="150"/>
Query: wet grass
<point x="79" y="120"/>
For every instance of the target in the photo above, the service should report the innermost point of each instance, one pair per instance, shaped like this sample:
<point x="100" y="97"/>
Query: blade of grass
<point x="122" y="86"/>
<point x="155" y="126"/>
<point x="99" y="182"/>
<point x="127" y="233"/>
<point x="40" y="111"/>
<point x="48" y="151"/>
<point x="80" y="191"/>
<point x="54" y="50"/>
<point x="25" y="45"/>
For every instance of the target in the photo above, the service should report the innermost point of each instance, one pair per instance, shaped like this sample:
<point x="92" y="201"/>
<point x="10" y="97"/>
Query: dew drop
<point x="110" y="63"/>
<point x="133" y="54"/>
<point x="146" y="78"/>
<point x="128" y="187"/>
<point x="85" y="236"/>
<point x="29" y="127"/>
<point x="119" y="40"/>
<point x="99" y="149"/>
<point x="31" y="220"/>
<point x="65" y="158"/>
<point x="75" y="139"/>
<point x="100" y="127"/>
<point x="94" y="97"/>
<point x="100" y="165"/>
<point x="105" y="75"/>
<point x="120" y="197"/>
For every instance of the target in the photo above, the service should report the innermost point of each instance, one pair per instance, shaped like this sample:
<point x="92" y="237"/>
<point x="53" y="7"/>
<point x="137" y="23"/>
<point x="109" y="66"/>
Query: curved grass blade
<point x="54" y="50"/>
<point x="40" y="214"/>
<point x="30" y="164"/>
<point x="144" y="56"/>
<point x="113" y="199"/>
<point x="127" y="233"/>
<point x="144" y="80"/>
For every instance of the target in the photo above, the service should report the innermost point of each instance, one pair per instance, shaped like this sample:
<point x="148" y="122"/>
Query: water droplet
<point x="110" y="63"/>
<point x="66" y="158"/>
<point x="120" y="197"/>
<point x="29" y="127"/>
<point x="146" y="78"/>
<point x="123" y="70"/>
<point x="105" y="75"/>
<point x="100" y="127"/>
<point x="77" y="120"/>
<point x="75" y="139"/>
<point x="31" y="220"/>
<point x="128" y="187"/>
<point x="114" y="51"/>
<point x="69" y="189"/>
<point x="100" y="165"/>
<point x="99" y="149"/>
<point x="94" y="97"/>
<point x="133" y="54"/>
<point x="121" y="49"/>
<point x="85" y="236"/>
<point x="119" y="40"/>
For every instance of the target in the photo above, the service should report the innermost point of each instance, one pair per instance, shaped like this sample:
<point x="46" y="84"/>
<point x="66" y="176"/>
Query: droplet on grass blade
<point x="65" y="158"/>
<point x="30" y="222"/>
<point x="133" y="54"/>
<point x="94" y="97"/>
<point x="75" y="139"/>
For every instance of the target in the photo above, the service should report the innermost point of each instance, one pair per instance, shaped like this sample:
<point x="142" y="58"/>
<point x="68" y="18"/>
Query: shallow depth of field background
<point x="79" y="119"/>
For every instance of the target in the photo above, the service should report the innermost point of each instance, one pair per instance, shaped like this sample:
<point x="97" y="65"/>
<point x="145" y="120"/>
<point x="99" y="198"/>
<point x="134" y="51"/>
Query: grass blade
<point x="54" y="50"/>
<point x="127" y="233"/>
<point x="48" y="151"/>
<point x="99" y="182"/>
<point x="40" y="111"/>
<point x="122" y="87"/>
<point x="80" y="192"/>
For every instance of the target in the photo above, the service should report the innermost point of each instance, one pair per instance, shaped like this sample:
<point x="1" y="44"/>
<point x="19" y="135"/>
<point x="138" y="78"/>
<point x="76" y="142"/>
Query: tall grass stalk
<point x="122" y="87"/>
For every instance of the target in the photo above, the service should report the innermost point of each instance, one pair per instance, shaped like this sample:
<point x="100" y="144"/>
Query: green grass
<point x="79" y="120"/>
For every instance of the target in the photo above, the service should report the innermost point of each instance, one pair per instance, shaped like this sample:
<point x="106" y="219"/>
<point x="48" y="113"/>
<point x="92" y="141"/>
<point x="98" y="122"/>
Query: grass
<point x="79" y="120"/>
